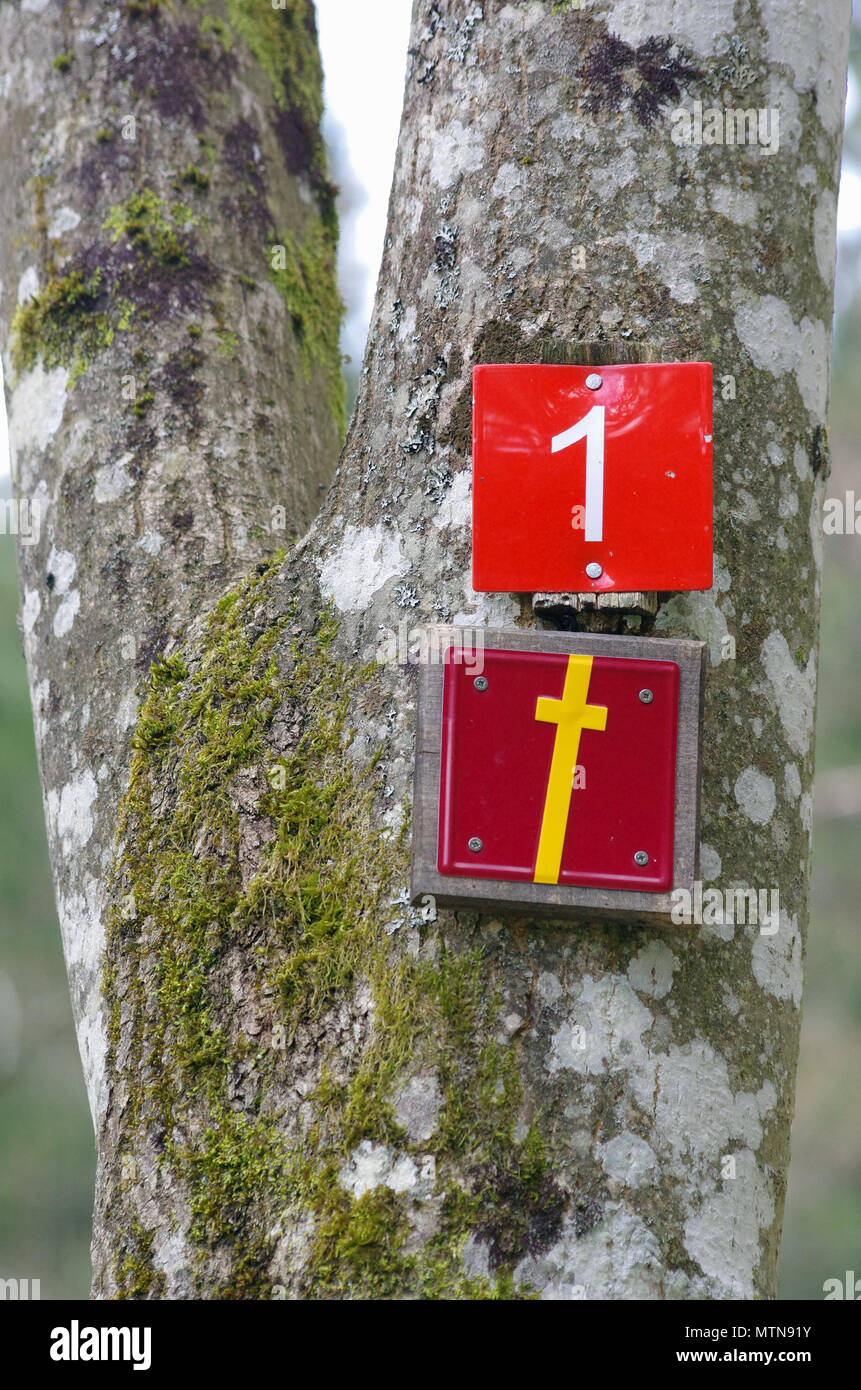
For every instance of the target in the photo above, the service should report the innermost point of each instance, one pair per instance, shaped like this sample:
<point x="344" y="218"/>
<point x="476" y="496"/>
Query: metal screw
<point x="594" y="570"/>
<point x="480" y="682"/>
<point x="646" y="696"/>
<point x="593" y="381"/>
<point x="641" y="857"/>
<point x="475" y="844"/>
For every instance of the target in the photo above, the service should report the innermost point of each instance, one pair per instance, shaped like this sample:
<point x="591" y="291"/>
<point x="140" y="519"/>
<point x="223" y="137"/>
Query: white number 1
<point x="592" y="428"/>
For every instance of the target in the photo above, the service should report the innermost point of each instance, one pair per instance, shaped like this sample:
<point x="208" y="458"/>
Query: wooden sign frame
<point x="542" y="899"/>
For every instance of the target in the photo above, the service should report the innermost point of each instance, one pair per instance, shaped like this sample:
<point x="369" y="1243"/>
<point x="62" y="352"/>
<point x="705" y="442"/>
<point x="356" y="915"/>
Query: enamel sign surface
<point x="592" y="479"/>
<point x="557" y="771"/>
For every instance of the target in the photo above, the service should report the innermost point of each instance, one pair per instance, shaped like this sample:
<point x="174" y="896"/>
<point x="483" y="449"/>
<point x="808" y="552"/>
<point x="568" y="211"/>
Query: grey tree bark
<point x="174" y="405"/>
<point x="310" y="1090"/>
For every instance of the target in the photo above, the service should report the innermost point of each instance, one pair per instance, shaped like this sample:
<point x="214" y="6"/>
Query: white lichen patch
<point x="66" y="614"/>
<point x="82" y="926"/>
<point x="710" y="863"/>
<point x="675" y="259"/>
<point x="36" y="409"/>
<point x="628" y="1159"/>
<point x="457" y="149"/>
<point x="455" y="509"/>
<point x="812" y="41"/>
<point x="700" y="615"/>
<point x="127" y="711"/>
<point x="616" y="1022"/>
<point x="508" y="184"/>
<point x="93" y="1047"/>
<point x="745" y="507"/>
<point x="376" y="1165"/>
<point x="801" y="463"/>
<point x="486" y="610"/>
<point x="619" y="1259"/>
<point x="792" y="781"/>
<point x="64" y="220"/>
<point x="738" y="205"/>
<point x="151" y="542"/>
<point x="608" y="180"/>
<point x="825" y="235"/>
<point x="548" y="987"/>
<point x="367" y="558"/>
<point x="776" y="961"/>
<point x="41" y="696"/>
<point x="703" y="26"/>
<point x="170" y="1256"/>
<point x="28" y="284"/>
<point x="112" y="480"/>
<point x="69" y="812"/>
<point x="696" y="1115"/>
<point x="756" y="795"/>
<point x="765" y="327"/>
<point x="805" y="811"/>
<point x="651" y="970"/>
<point x="62" y="565"/>
<point x="695" y="1120"/>
<point x="30" y="610"/>
<point x="794" y="690"/>
<point x="417" y="1106"/>
<point x="723" y="1234"/>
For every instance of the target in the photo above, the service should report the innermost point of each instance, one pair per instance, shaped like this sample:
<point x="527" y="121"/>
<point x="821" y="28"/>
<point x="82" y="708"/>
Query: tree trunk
<point x="310" y="1089"/>
<point x="174" y="403"/>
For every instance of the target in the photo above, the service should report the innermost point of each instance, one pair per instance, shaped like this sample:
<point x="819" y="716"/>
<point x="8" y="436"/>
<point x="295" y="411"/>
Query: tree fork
<point x="315" y="1090"/>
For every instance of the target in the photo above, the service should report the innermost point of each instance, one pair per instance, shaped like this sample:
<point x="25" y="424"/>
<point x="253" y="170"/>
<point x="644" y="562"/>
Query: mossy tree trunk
<point x="309" y="1089"/>
<point x="174" y="388"/>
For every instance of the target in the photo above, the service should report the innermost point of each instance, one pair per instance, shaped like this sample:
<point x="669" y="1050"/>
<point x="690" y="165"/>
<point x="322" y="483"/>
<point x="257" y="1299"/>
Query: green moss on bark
<point x="135" y="1273"/>
<point x="157" y="232"/>
<point x="66" y="325"/>
<point x="284" y="42"/>
<point x="307" y="922"/>
<point x="77" y="313"/>
<point x="305" y="277"/>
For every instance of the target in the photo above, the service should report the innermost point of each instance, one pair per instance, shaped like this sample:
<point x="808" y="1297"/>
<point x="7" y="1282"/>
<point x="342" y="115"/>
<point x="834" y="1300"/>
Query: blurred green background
<point x="47" y="1158"/>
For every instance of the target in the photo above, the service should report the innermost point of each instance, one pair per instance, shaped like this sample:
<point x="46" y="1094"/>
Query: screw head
<point x="641" y="858"/>
<point x="475" y="844"/>
<point x="480" y="682"/>
<point x="593" y="381"/>
<point x="594" y="570"/>
<point x="646" y="696"/>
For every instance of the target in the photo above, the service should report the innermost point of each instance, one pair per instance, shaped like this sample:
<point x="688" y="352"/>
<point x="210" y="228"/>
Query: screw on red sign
<point x="558" y="771"/>
<point x="592" y="479"/>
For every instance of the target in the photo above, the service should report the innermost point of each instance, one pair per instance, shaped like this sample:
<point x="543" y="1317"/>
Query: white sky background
<point x="364" y="58"/>
<point x="364" y="51"/>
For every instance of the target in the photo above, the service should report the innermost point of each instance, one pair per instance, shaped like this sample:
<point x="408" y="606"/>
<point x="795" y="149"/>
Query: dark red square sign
<point x="559" y="768"/>
<point x="590" y="479"/>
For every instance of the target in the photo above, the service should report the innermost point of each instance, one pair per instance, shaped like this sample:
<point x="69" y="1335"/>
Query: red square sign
<point x="590" y="479"/>
<point x="559" y="768"/>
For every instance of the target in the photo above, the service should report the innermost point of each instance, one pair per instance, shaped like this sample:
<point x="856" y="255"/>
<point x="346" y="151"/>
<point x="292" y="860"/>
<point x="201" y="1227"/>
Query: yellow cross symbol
<point x="570" y="715"/>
